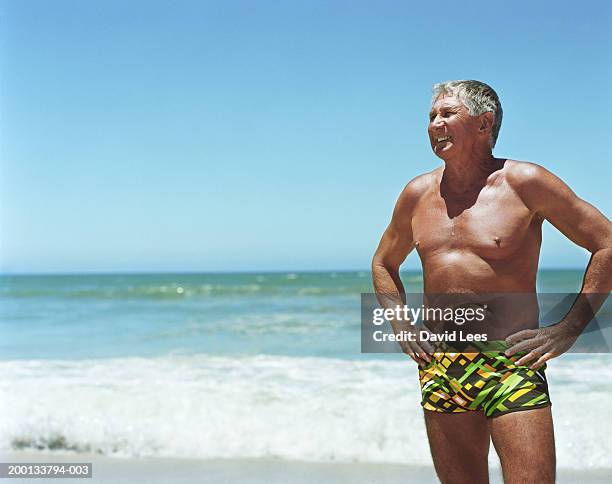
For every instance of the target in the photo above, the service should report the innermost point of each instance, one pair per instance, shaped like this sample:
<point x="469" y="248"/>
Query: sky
<point x="148" y="136"/>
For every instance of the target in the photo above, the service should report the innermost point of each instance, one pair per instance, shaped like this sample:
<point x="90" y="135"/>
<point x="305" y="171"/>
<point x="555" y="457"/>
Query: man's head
<point x="467" y="112"/>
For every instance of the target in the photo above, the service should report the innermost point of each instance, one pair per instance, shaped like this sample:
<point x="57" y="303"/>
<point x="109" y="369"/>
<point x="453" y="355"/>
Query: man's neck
<point x="469" y="173"/>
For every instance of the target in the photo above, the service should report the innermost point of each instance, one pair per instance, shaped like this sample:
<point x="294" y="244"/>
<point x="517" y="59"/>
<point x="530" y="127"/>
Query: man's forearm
<point x="389" y="290"/>
<point x="594" y="291"/>
<point x="387" y="283"/>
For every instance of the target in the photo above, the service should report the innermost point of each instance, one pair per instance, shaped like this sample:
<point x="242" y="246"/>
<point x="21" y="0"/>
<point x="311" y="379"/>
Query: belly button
<point x="497" y="241"/>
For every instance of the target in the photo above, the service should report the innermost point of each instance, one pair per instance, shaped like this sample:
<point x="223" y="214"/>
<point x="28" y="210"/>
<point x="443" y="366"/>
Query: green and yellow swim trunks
<point x="479" y="376"/>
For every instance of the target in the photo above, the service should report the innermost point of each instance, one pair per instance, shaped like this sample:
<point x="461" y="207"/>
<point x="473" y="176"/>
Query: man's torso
<point x="487" y="242"/>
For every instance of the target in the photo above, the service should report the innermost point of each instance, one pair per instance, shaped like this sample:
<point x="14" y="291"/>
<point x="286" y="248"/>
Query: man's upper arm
<point x="397" y="240"/>
<point x="547" y="195"/>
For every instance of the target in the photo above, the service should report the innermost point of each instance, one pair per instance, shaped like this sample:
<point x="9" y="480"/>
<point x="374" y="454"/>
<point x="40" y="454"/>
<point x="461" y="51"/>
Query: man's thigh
<point x="525" y="444"/>
<point x="459" y="445"/>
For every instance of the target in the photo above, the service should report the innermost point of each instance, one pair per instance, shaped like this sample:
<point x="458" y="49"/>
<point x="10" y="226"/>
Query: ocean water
<point x="238" y="366"/>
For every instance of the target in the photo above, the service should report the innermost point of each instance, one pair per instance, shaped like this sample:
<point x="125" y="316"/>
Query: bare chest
<point x="494" y="225"/>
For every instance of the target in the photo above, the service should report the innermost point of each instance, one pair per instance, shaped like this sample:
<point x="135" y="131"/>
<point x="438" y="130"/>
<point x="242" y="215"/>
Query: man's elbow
<point x="605" y="251"/>
<point x="605" y="244"/>
<point x="608" y="244"/>
<point x="376" y="264"/>
<point x="380" y="263"/>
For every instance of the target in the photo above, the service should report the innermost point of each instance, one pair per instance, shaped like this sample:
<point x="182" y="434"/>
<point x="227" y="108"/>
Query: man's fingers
<point x="427" y="348"/>
<point x="525" y="345"/>
<point x="521" y="335"/>
<point x="522" y="346"/>
<point x="424" y="346"/>
<point x="417" y="360"/>
<point x="411" y="355"/>
<point x="543" y="359"/>
<point x="421" y="350"/>
<point x="534" y="354"/>
<point x="417" y="353"/>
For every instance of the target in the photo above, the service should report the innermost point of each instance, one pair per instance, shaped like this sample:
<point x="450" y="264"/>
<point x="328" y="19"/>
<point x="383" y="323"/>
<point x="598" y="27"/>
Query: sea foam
<point x="303" y="408"/>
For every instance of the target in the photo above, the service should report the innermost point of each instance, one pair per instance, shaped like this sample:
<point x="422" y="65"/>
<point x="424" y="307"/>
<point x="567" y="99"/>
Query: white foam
<point x="264" y="406"/>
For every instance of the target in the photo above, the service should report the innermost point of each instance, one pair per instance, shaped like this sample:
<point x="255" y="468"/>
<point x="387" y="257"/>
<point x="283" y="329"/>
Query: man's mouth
<point x="440" y="139"/>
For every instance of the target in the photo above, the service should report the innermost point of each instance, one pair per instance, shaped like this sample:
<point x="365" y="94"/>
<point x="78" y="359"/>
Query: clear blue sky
<point x="228" y="136"/>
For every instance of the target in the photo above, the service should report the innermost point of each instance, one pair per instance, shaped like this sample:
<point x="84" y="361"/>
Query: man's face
<point x="452" y="131"/>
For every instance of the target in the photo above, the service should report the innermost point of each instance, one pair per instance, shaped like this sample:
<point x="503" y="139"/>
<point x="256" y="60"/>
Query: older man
<point x="476" y="224"/>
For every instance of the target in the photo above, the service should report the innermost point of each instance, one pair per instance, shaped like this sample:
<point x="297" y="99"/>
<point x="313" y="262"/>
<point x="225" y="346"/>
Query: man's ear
<point x="486" y="122"/>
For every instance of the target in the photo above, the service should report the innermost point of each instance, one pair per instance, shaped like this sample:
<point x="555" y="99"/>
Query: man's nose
<point x="437" y="122"/>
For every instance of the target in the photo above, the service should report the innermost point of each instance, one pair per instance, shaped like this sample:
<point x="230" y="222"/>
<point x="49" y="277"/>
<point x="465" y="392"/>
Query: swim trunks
<point x="478" y="376"/>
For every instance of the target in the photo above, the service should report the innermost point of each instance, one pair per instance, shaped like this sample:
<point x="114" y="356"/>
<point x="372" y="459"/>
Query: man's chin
<point x="442" y="154"/>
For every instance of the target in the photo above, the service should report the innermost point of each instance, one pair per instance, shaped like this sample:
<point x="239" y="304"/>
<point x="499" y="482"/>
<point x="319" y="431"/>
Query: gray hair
<point x="478" y="98"/>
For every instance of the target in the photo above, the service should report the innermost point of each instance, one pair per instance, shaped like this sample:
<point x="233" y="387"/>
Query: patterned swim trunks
<point x="479" y="376"/>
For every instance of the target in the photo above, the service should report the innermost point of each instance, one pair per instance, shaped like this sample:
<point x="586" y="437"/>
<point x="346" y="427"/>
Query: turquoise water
<point x="238" y="366"/>
<point x="103" y="316"/>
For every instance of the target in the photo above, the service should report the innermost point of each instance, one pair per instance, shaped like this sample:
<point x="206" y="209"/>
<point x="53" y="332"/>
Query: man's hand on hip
<point x="541" y="344"/>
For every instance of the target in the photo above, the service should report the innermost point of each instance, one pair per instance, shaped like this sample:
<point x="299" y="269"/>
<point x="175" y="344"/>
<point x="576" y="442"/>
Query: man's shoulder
<point x="523" y="175"/>
<point x="421" y="183"/>
<point x="412" y="193"/>
<point x="535" y="185"/>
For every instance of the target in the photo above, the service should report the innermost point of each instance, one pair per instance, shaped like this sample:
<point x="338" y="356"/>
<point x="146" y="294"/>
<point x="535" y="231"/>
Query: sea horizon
<point x="236" y="272"/>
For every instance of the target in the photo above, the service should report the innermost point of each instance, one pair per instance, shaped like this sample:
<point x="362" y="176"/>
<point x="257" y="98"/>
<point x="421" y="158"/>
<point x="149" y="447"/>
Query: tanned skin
<point x="476" y="224"/>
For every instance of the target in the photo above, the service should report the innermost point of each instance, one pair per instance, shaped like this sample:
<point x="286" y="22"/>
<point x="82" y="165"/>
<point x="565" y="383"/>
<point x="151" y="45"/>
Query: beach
<point x="240" y="378"/>
<point x="255" y="471"/>
<point x="261" y="471"/>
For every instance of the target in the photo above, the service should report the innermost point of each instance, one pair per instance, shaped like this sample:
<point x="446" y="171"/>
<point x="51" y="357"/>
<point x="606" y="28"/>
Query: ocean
<point x="238" y="366"/>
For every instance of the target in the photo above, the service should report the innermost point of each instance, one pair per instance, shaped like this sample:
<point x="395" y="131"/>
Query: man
<point x="476" y="225"/>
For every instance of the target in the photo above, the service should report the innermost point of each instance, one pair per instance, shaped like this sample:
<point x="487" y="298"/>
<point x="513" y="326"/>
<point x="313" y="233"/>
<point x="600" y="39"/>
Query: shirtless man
<point x="476" y="224"/>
